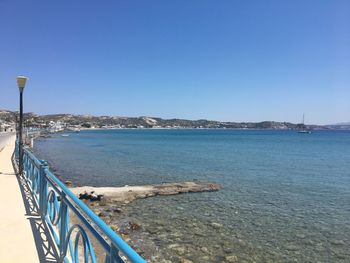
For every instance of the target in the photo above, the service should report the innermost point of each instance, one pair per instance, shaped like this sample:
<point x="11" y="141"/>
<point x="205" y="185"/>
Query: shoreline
<point x="127" y="194"/>
<point x="233" y="224"/>
<point x="111" y="204"/>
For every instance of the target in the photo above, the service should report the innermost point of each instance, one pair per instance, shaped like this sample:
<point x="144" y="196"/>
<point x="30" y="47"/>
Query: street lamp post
<point x="21" y="82"/>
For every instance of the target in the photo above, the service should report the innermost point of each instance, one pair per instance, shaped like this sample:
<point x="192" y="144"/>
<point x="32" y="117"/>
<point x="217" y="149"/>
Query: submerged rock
<point x="227" y="250"/>
<point x="231" y="258"/>
<point x="216" y="225"/>
<point x="337" y="242"/>
<point x="134" y="226"/>
<point x="129" y="225"/>
<point x="117" y="210"/>
<point x="292" y="247"/>
<point x="301" y="236"/>
<point x="180" y="250"/>
<point x="185" y="260"/>
<point x="204" y="250"/>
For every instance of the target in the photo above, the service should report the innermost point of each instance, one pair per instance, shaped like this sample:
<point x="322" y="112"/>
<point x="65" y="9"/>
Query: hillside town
<point x="70" y="122"/>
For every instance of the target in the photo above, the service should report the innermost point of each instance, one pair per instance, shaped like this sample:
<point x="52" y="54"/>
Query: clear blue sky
<point x="236" y="60"/>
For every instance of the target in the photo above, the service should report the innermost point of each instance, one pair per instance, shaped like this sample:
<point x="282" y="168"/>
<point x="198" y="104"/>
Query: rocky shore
<point x="127" y="193"/>
<point x="111" y="204"/>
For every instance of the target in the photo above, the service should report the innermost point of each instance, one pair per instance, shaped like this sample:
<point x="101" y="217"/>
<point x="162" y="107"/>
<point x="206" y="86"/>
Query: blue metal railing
<point x="56" y="203"/>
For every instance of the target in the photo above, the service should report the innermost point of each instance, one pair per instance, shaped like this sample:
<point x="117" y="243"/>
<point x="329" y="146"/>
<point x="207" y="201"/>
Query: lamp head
<point x="21" y="82"/>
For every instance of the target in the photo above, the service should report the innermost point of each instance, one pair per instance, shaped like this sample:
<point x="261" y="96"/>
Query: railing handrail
<point x="79" y="206"/>
<point x="116" y="239"/>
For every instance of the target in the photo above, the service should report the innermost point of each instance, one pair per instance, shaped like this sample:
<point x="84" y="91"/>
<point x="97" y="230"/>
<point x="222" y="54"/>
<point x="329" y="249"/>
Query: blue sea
<point x="285" y="195"/>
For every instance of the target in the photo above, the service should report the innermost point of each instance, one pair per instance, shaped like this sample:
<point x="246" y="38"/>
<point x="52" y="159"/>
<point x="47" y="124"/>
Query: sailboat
<point x="303" y="129"/>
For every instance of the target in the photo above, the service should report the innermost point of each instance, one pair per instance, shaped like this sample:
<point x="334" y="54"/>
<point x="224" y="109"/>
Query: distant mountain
<point x="339" y="126"/>
<point x="342" y="123"/>
<point x="34" y="120"/>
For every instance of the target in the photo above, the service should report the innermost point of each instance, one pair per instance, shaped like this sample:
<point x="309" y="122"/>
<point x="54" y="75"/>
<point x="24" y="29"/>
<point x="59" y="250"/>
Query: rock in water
<point x="216" y="225"/>
<point x="92" y="196"/>
<point x="231" y="258"/>
<point x="134" y="226"/>
<point x="127" y="194"/>
<point x="68" y="183"/>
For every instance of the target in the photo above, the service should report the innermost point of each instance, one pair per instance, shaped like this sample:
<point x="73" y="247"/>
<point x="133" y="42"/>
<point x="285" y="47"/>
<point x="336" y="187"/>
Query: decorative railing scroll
<point x="56" y="203"/>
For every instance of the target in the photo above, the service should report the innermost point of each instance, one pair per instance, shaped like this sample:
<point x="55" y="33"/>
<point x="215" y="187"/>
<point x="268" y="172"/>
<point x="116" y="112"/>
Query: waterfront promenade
<point x="17" y="241"/>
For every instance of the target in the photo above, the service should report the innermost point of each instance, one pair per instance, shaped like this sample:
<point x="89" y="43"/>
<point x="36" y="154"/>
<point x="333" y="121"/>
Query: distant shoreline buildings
<point x="62" y="122"/>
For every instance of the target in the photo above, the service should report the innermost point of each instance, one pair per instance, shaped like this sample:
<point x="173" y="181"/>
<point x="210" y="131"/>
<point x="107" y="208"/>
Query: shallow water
<point x="285" y="196"/>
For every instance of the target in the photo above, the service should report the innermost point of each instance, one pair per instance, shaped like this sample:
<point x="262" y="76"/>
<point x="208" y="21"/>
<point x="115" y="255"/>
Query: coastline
<point x="112" y="205"/>
<point x="128" y="194"/>
<point x="238" y="219"/>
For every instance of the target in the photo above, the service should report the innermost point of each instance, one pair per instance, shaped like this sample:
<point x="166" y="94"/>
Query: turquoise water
<point x="285" y="196"/>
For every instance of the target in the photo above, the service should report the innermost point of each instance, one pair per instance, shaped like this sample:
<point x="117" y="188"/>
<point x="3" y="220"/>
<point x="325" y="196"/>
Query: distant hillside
<point x="7" y="116"/>
<point x="339" y="126"/>
<point x="35" y="120"/>
<point x="342" y="123"/>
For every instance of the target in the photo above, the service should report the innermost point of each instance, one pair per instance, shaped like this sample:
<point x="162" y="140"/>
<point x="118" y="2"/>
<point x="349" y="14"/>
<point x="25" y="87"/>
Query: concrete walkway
<point x="17" y="242"/>
<point x="5" y="138"/>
